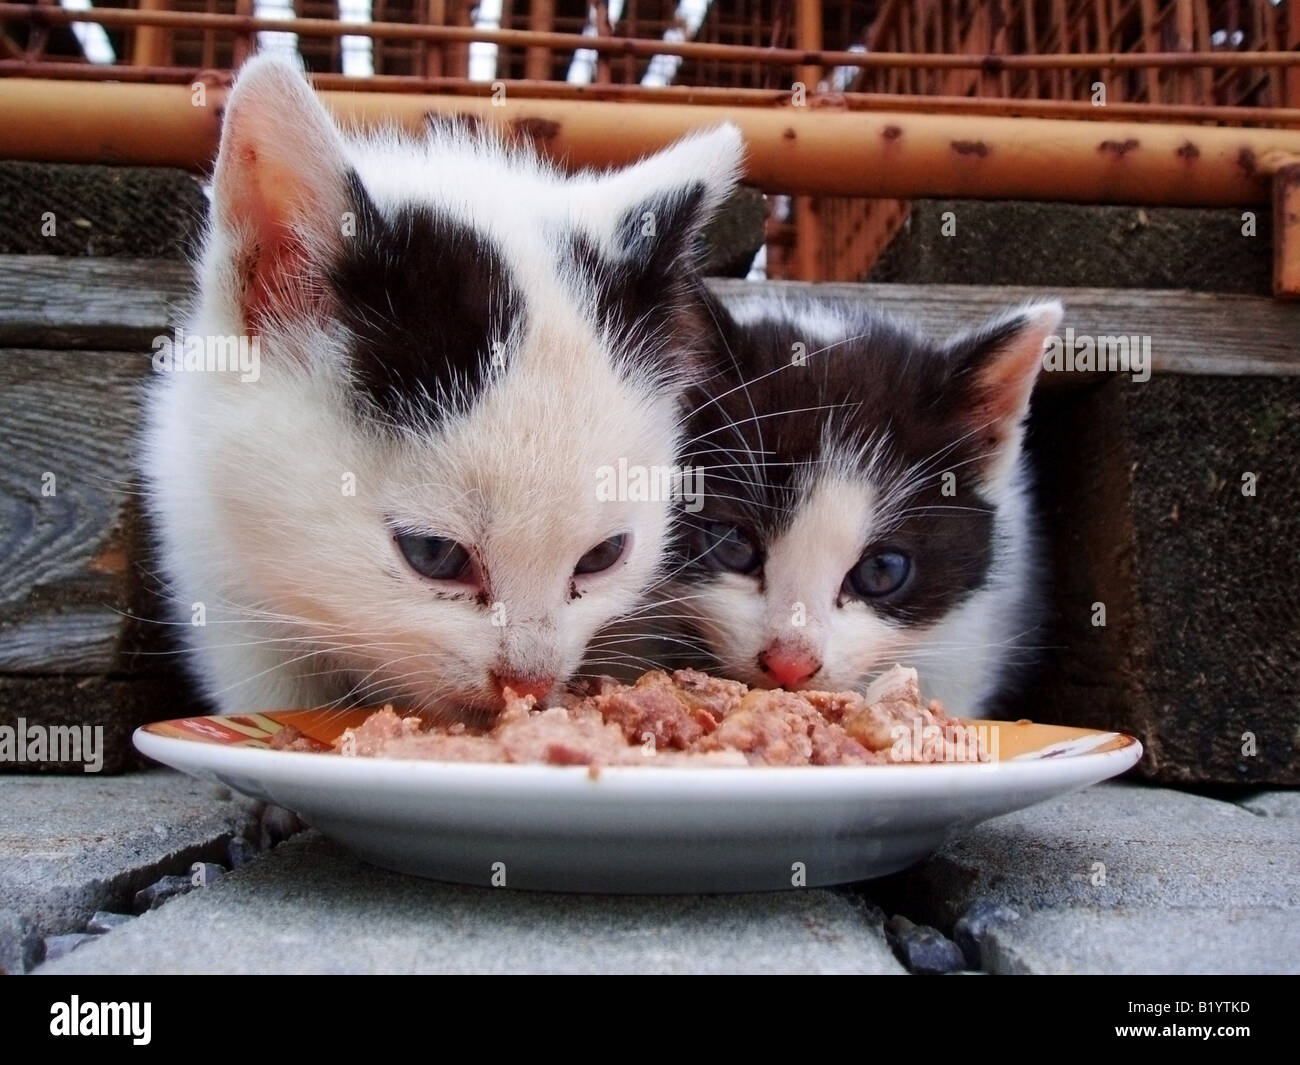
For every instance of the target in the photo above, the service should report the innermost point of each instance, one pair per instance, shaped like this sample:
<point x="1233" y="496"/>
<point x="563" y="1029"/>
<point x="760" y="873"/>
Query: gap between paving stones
<point x="275" y="825"/>
<point x="1071" y="884"/>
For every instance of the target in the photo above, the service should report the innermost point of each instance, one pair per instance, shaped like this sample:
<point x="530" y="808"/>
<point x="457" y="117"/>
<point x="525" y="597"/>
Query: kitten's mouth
<point x="483" y="708"/>
<point x="477" y="708"/>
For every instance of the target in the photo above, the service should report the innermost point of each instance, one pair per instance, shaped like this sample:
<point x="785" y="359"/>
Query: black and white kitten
<point x="455" y="339"/>
<point x="865" y="499"/>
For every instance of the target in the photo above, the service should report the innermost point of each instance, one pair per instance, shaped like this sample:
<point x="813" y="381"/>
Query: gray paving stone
<point x="1075" y="940"/>
<point x="309" y="907"/>
<point x="105" y="921"/>
<point x="1274" y="804"/>
<point x="923" y="949"/>
<point x="58" y="946"/>
<point x="1122" y="878"/>
<point x="20" y="943"/>
<point x="1115" y="845"/>
<point x="71" y="845"/>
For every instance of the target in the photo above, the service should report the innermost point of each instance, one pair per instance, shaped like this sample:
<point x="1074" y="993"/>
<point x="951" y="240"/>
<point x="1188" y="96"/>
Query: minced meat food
<point x="682" y="718"/>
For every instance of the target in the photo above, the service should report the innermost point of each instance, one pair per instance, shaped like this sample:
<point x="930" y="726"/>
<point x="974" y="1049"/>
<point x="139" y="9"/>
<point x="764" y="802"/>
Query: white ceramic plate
<point x="633" y="829"/>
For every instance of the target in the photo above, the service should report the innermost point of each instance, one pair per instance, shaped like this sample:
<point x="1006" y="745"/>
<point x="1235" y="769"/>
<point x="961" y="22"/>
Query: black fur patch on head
<point x="648" y="297"/>
<point x="428" y="300"/>
<point x="761" y="420"/>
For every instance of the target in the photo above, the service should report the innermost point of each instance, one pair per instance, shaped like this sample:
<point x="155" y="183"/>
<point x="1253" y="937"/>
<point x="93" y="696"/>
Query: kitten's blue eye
<point x="603" y="555"/>
<point x="880" y="574"/>
<point x="730" y="547"/>
<point x="435" y="556"/>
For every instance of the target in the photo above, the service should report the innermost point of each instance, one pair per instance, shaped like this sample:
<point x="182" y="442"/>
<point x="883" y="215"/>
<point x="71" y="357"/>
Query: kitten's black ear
<point x="280" y="191"/>
<point x="991" y="377"/>
<point x="661" y="205"/>
<point x="637" y="244"/>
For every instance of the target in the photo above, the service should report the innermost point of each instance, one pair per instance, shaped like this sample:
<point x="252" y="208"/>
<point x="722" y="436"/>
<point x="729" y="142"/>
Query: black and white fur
<point x="827" y="454"/>
<point x="462" y="336"/>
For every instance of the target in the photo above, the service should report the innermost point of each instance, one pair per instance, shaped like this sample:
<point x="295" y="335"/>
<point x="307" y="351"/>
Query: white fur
<point x="307" y="599"/>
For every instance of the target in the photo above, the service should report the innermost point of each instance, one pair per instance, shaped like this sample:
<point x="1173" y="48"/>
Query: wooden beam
<point x="119" y="304"/>
<point x="51" y="301"/>
<point x="80" y="633"/>
<point x="1200" y="333"/>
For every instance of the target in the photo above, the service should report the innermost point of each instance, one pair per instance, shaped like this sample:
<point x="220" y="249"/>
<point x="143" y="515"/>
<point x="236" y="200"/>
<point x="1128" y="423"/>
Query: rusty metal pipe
<point x="795" y="150"/>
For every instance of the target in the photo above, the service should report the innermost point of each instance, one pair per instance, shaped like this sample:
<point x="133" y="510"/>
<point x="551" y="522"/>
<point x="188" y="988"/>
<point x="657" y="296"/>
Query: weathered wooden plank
<point x="46" y="301"/>
<point x="69" y="532"/>
<point x="1191" y="332"/>
<point x="50" y="301"/>
<point x="79" y="641"/>
<point x="77" y="645"/>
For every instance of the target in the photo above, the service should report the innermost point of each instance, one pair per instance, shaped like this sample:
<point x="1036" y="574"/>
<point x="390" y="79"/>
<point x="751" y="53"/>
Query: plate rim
<point x="948" y="779"/>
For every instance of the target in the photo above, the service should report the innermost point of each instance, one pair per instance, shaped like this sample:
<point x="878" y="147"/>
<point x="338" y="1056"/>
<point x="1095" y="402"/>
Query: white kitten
<point x="454" y="338"/>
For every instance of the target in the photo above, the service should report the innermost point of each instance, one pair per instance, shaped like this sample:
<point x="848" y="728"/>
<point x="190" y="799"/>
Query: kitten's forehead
<point x="836" y="514"/>
<point x="496" y="266"/>
<point x="534" y="437"/>
<point x="813" y="389"/>
<point x="431" y="305"/>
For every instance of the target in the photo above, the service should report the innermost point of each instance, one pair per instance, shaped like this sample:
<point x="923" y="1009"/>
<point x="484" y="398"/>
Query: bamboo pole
<point x="813" y="152"/>
<point x="680" y="94"/>
<point x="642" y="47"/>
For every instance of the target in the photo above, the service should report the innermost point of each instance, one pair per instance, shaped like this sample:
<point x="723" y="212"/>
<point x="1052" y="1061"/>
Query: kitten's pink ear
<point x="280" y="190"/>
<point x="994" y="371"/>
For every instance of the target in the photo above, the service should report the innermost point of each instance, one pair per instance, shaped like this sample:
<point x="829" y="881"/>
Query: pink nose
<point x="530" y="684"/>
<point x="789" y="665"/>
